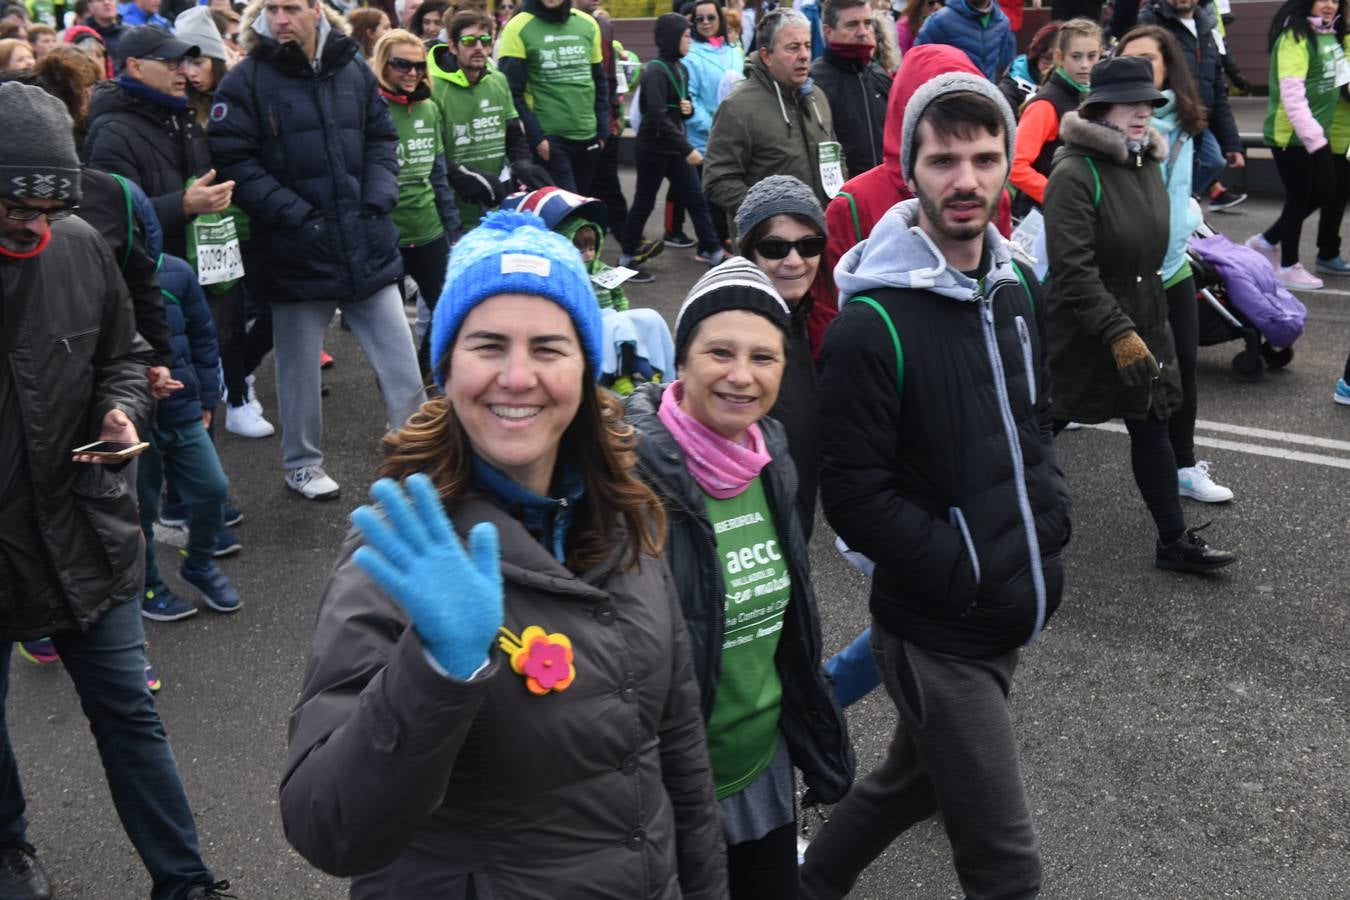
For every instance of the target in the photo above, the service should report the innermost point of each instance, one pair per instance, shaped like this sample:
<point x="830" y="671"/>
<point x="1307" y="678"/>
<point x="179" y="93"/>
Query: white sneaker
<point x="1297" y="278"/>
<point x="312" y="483"/>
<point x="248" y="422"/>
<point x="252" y="399"/>
<point x="1270" y="251"/>
<point x="1194" y="482"/>
<point x="1072" y="426"/>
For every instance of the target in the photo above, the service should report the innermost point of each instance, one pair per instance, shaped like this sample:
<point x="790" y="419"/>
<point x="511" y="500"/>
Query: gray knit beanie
<point x="196" y="26"/>
<point x="941" y="86"/>
<point x="777" y="195"/>
<point x="37" y="156"/>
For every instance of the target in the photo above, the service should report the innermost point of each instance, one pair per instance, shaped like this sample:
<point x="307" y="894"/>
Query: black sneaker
<point x="216" y="891"/>
<point x="21" y="875"/>
<point x="640" y="276"/>
<point x="1190" y="553"/>
<point x="1225" y="199"/>
<point x="645" y="251"/>
<point x="679" y="240"/>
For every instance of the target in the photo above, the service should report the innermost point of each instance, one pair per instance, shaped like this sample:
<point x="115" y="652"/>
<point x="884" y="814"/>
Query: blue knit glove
<point x="453" y="598"/>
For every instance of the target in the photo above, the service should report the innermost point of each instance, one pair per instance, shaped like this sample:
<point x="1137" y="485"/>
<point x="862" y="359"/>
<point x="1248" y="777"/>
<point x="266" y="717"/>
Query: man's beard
<point x="965" y="232"/>
<point x="19" y="241"/>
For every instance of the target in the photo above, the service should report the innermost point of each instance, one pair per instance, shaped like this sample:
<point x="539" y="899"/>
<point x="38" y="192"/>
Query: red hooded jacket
<point x="865" y="198"/>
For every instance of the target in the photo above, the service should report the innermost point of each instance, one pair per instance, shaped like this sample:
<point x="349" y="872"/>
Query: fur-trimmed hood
<point x="1100" y="139"/>
<point x="251" y="37"/>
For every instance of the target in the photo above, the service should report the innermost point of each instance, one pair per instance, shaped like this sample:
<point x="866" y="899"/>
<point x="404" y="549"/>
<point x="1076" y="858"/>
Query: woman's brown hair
<point x="68" y="74"/>
<point x="363" y="21"/>
<point x="1191" y="111"/>
<point x="915" y="12"/>
<point x="598" y="441"/>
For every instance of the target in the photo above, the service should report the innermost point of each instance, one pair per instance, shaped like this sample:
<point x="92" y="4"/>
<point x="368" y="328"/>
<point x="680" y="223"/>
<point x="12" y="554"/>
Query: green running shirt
<point x="558" y="59"/>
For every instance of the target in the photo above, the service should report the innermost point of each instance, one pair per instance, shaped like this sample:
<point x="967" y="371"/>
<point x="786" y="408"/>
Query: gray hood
<point x="898" y="254"/>
<point x="254" y="22"/>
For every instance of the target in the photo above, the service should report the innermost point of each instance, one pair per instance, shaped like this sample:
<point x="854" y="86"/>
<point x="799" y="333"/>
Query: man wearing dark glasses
<point x="72" y="371"/>
<point x="482" y="130"/>
<point x="141" y="127"/>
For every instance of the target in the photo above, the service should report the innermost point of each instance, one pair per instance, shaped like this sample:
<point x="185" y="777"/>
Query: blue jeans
<point x="107" y="665"/>
<point x="1209" y="162"/>
<point x="854" y="670"/>
<point x="186" y="455"/>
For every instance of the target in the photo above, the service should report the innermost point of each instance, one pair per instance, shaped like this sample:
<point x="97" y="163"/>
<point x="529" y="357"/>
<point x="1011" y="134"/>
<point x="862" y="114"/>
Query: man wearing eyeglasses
<point x="482" y="130"/>
<point x="140" y="127"/>
<point x="72" y="371"/>
<point x="301" y="126"/>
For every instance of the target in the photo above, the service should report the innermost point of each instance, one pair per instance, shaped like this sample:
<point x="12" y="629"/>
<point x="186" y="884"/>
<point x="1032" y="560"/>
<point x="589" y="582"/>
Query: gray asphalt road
<point x="1181" y="737"/>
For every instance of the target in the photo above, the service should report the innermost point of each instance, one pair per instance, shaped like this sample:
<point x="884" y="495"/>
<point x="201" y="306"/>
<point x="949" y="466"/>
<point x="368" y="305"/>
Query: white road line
<point x="1256" y="449"/>
<point x="1282" y="436"/>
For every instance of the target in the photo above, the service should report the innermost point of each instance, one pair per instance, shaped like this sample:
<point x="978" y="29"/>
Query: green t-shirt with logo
<point x="476" y="117"/>
<point x="558" y="58"/>
<point x="419" y="143"/>
<point x="1316" y="66"/>
<point x="743" y="728"/>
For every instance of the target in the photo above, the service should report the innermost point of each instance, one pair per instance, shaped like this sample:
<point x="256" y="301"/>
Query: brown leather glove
<point x="1136" y="365"/>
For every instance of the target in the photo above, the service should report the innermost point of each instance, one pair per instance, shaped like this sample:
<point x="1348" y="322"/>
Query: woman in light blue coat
<point x="1179" y="121"/>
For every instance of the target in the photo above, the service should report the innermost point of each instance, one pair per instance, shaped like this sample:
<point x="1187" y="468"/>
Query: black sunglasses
<point x="468" y="40"/>
<point x="404" y="66"/>
<point x="777" y="248"/>
<point x="712" y="18"/>
<point x="20" y="213"/>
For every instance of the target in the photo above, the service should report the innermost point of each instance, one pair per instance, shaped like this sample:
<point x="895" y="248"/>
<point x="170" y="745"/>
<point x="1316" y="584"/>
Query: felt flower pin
<point x="544" y="659"/>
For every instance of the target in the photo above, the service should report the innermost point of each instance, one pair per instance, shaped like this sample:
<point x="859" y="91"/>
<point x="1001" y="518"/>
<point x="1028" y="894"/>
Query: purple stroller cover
<point x="1252" y="288"/>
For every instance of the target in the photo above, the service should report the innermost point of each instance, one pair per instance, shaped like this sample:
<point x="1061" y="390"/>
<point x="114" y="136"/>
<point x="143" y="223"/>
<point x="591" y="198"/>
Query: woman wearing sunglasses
<point x="738" y="553"/>
<point x="426" y="215"/>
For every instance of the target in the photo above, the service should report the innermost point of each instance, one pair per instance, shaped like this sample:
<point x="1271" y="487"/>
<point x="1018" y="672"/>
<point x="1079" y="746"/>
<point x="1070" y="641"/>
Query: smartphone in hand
<point x="113" y="451"/>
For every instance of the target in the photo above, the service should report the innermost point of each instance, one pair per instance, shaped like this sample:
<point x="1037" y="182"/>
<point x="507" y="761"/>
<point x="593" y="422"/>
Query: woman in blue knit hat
<point x="500" y="699"/>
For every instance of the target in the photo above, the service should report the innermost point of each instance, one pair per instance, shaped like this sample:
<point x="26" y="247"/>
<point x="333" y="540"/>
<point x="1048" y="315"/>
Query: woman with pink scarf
<point x="738" y="553"/>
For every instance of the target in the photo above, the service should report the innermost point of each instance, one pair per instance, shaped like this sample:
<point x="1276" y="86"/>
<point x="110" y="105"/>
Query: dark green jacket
<point x="1106" y="219"/>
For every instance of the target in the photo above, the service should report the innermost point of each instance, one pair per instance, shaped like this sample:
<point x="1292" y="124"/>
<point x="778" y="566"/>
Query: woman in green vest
<point x="426" y="215"/>
<point x="1308" y="70"/>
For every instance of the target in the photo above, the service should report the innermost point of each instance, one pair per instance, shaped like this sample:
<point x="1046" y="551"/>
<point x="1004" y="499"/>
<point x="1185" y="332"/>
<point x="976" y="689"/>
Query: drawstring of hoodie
<point x="781" y="108"/>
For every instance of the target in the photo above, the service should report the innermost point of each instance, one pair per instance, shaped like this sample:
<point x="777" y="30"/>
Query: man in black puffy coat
<point x="854" y="83"/>
<point x="140" y="127"/>
<point x="938" y="463"/>
<point x="301" y="128"/>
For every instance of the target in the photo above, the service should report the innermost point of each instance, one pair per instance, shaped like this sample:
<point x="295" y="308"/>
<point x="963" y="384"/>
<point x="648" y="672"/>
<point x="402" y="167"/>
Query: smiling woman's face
<point x="732" y="371"/>
<point x="792" y="275"/>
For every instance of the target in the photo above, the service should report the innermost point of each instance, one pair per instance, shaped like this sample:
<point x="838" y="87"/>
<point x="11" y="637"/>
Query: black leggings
<point x="675" y="212"/>
<point x="1155" y="471"/>
<point x="1333" y="210"/>
<point x="241" y="349"/>
<point x="1184" y="316"/>
<point x="1309" y="184"/>
<point x="426" y="264"/>
<point x="1347" y="370"/>
<point x="766" y="867"/>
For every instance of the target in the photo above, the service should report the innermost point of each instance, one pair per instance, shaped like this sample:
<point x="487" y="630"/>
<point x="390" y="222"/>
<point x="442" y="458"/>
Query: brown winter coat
<point x="419" y="785"/>
<point x="1106" y="219"/>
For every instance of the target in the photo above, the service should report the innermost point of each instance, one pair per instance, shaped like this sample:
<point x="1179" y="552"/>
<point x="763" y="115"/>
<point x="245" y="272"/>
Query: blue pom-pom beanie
<point x="514" y="253"/>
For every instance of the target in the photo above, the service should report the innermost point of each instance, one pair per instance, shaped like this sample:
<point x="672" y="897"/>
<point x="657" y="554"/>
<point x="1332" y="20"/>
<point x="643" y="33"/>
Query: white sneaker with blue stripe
<point x="1196" y="483"/>
<point x="1342" y="392"/>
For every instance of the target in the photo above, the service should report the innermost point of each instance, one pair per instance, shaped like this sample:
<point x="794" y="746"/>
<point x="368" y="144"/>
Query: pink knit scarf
<point x="721" y="467"/>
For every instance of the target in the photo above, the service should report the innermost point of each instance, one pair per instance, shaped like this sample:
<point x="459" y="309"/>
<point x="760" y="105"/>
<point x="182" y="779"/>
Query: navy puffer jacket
<point x="313" y="154"/>
<point x="196" y="355"/>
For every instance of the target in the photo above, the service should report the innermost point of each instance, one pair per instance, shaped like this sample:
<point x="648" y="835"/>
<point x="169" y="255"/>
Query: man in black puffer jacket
<point x="948" y="481"/>
<point x="855" y="84"/>
<point x="140" y="127"/>
<point x="300" y="126"/>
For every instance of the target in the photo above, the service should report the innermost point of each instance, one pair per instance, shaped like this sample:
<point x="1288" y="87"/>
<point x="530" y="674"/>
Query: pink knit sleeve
<point x="1295" y="103"/>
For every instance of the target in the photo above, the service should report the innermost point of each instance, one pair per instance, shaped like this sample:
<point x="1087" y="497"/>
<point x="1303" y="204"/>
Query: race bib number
<point x="621" y="78"/>
<point x="1342" y="68"/>
<point x="218" y="255"/>
<point x="831" y="167"/>
<point x="612" y="278"/>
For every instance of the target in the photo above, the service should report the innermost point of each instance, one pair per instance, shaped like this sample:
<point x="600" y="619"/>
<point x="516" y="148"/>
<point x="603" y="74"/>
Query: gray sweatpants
<point x="380" y="326"/>
<point x="953" y="752"/>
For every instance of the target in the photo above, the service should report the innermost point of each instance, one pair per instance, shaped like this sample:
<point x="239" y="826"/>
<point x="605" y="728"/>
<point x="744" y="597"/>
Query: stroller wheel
<point x="1248" y="367"/>
<point x="1277" y="359"/>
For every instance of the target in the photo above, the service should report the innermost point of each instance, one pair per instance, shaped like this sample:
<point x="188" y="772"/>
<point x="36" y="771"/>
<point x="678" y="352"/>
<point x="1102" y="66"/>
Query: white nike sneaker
<point x="1195" y="482"/>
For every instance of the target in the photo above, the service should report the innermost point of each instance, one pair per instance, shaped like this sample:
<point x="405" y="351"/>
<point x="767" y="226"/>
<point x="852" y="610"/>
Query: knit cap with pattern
<point x="514" y="253"/>
<point x="37" y="156"/>
<point x="735" y="284"/>
<point x="777" y="195"/>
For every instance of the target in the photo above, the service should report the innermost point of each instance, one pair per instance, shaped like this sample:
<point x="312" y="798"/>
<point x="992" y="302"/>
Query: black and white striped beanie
<point x="735" y="284"/>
